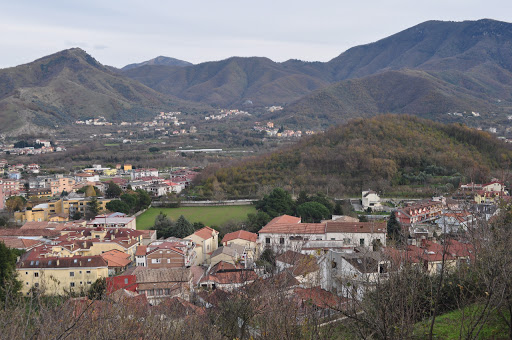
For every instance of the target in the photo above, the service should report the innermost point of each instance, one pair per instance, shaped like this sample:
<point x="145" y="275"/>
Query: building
<point x="206" y="241"/>
<point x="307" y="237"/>
<point x="419" y="212"/>
<point x="141" y="173"/>
<point x="61" y="276"/>
<point x="245" y="239"/>
<point x="114" y="220"/>
<point x="370" y="200"/>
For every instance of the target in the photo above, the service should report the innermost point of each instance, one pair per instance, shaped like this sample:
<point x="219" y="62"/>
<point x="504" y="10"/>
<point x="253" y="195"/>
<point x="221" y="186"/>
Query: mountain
<point x="233" y="81"/>
<point x="466" y="65"/>
<point x="161" y="60"/>
<point x="389" y="153"/>
<point x="432" y="45"/>
<point x="405" y="91"/>
<point x="70" y="85"/>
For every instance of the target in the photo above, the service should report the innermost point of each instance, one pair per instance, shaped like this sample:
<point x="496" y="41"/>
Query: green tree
<point x="163" y="226"/>
<point x="323" y="200"/>
<point x="144" y="199"/>
<point x="393" y="227"/>
<point x="93" y="208"/>
<point x="132" y="199"/>
<point x="182" y="227"/>
<point x="256" y="221"/>
<point x="118" y="206"/>
<point x="312" y="212"/>
<point x="98" y="290"/>
<point x="9" y="284"/>
<point x="89" y="191"/>
<point x="113" y="190"/>
<point x="198" y="225"/>
<point x="278" y="202"/>
<point x="303" y="198"/>
<point x="338" y="209"/>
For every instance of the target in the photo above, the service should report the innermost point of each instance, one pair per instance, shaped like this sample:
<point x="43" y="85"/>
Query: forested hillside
<point x="387" y="153"/>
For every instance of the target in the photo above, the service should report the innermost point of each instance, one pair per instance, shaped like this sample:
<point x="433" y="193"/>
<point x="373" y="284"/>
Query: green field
<point x="210" y="216"/>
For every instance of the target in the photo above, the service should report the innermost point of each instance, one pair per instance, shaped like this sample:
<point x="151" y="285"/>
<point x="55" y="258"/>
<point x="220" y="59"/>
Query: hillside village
<point x="66" y="249"/>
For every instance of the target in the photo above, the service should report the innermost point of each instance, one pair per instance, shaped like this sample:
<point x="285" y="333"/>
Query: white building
<point x="370" y="199"/>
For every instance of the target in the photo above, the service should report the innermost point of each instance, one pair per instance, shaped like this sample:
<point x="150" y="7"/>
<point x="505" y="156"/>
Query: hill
<point x="388" y="153"/>
<point x="161" y="60"/>
<point x="426" y="94"/>
<point x="69" y="85"/>
<point x="467" y="65"/>
<point x="233" y="81"/>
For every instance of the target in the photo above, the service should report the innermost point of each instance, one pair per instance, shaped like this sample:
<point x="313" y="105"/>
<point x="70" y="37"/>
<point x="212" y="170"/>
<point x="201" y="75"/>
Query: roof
<point x="141" y="251"/>
<point x="291" y="257"/>
<point x="240" y="234"/>
<point x="296" y="228"/>
<point x="64" y="262"/>
<point x="43" y="225"/>
<point x="240" y="276"/>
<point x="116" y="258"/>
<point x="284" y="219"/>
<point x="319" y="297"/>
<point x="355" y="227"/>
<point x="147" y="275"/>
<point x="205" y="233"/>
<point x="231" y="250"/>
<point x="29" y="232"/>
<point x="19" y="243"/>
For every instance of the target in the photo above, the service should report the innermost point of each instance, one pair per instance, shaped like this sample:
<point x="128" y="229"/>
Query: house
<point x="304" y="268"/>
<point x="298" y="236"/>
<point x="117" y="261"/>
<point x="370" y="200"/>
<point x="158" y="284"/>
<point x="233" y="253"/>
<point x="14" y="242"/>
<point x="206" y="240"/>
<point x="114" y="220"/>
<point x="14" y="175"/>
<point x="86" y="178"/>
<point x="62" y="184"/>
<point x="60" y="276"/>
<point x="353" y="274"/>
<point x="419" y="212"/>
<point x="168" y="254"/>
<point x="227" y="277"/>
<point x="318" y="301"/>
<point x="243" y="238"/>
<point x="140" y="173"/>
<point x="455" y="221"/>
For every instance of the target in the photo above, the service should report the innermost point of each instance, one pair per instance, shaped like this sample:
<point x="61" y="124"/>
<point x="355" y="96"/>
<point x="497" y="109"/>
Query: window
<point x="168" y="260"/>
<point x="36" y="285"/>
<point x="333" y="239"/>
<point x="71" y="273"/>
<point x="81" y="283"/>
<point x="88" y="282"/>
<point x="361" y="241"/>
<point x="125" y="281"/>
<point x="71" y="284"/>
<point x="346" y="241"/>
<point x="267" y="240"/>
<point x="334" y="264"/>
<point x="36" y="274"/>
<point x="88" y="272"/>
<point x="80" y="272"/>
<point x="281" y="240"/>
<point x="155" y="260"/>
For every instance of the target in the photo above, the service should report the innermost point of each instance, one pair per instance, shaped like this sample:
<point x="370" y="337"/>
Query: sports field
<point x="210" y="216"/>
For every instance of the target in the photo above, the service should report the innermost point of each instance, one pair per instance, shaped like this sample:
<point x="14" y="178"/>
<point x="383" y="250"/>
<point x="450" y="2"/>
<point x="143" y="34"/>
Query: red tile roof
<point x="19" y="243"/>
<point x="116" y="258"/>
<point x="205" y="233"/>
<point x="356" y="227"/>
<point x="284" y="219"/>
<point x="64" y="262"/>
<point x="240" y="234"/>
<point x="319" y="297"/>
<point x="296" y="228"/>
<point x="141" y="251"/>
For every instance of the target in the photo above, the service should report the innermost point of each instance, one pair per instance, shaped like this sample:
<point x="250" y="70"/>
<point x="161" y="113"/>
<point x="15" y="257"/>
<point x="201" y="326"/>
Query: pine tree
<point x="9" y="285"/>
<point x="393" y="227"/>
<point x="182" y="227"/>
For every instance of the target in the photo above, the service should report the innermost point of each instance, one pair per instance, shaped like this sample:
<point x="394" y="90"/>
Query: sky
<point x="118" y="33"/>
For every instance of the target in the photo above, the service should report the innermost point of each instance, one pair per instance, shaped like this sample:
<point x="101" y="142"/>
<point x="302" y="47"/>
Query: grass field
<point x="447" y="326"/>
<point x="210" y="216"/>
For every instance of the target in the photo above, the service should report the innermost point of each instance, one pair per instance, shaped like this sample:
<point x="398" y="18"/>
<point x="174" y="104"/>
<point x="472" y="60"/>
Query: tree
<point x="15" y="203"/>
<point x="312" y="212"/>
<point x="118" y="206"/>
<point x="89" y="191"/>
<point x="393" y="227"/>
<point x="323" y="200"/>
<point x="98" y="290"/>
<point x="113" y="190"/>
<point x="163" y="226"/>
<point x="338" y="209"/>
<point x="93" y="208"/>
<point x="144" y="199"/>
<point x="9" y="284"/>
<point x="182" y="227"/>
<point x="278" y="202"/>
<point x="131" y="199"/>
<point x="303" y="198"/>
<point x="256" y="221"/>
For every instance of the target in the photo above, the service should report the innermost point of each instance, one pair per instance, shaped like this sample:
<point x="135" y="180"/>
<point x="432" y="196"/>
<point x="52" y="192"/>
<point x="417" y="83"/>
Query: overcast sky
<point x="121" y="32"/>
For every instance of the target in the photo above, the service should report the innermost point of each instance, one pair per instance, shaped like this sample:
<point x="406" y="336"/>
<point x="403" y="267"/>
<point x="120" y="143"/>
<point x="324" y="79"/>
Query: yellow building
<point x="61" y="276"/>
<point x="59" y="185"/>
<point x="56" y="210"/>
<point x="207" y="241"/>
<point x="245" y="239"/>
<point x="127" y="167"/>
